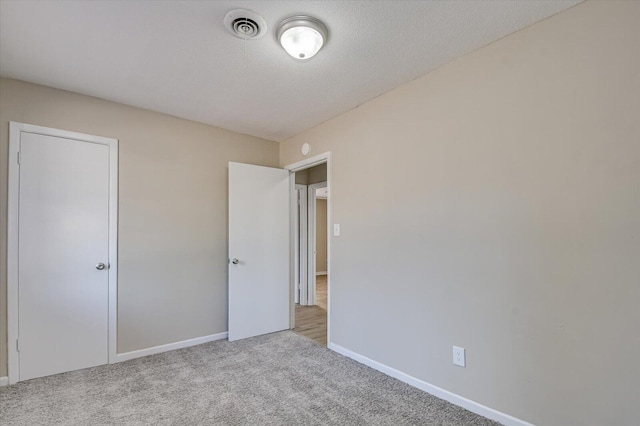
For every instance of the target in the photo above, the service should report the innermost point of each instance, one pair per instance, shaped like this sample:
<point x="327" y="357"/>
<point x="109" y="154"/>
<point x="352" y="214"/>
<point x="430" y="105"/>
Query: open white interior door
<point x="258" y="250"/>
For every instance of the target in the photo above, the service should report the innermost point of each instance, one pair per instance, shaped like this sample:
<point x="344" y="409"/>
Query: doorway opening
<point x="311" y="241"/>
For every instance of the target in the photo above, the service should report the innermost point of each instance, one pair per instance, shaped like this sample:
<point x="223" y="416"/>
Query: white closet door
<point x="63" y="239"/>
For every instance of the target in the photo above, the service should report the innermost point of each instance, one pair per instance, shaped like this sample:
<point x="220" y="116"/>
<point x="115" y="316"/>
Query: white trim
<point x="113" y="250"/>
<point x="321" y="273"/>
<point x="4" y="381"/>
<point x="13" y="366"/>
<point x="307" y="163"/>
<point x="15" y="129"/>
<point x="453" y="398"/>
<point x="292" y="250"/>
<point x="295" y="167"/>
<point x="301" y="231"/>
<point x="170" y="346"/>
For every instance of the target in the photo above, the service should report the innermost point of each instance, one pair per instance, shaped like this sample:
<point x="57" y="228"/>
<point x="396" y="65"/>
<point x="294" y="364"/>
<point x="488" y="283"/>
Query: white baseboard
<point x="170" y="347"/>
<point x="321" y="272"/>
<point x="453" y="398"/>
<point x="4" y="381"/>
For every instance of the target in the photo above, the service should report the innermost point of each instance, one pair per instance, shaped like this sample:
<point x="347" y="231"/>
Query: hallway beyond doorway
<point x="311" y="321"/>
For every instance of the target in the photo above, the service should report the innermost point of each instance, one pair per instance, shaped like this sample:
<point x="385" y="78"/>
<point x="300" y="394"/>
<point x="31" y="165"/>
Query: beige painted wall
<point x="302" y="177"/>
<point x="315" y="174"/>
<point x="503" y="216"/>
<point x="321" y="235"/>
<point x="172" y="282"/>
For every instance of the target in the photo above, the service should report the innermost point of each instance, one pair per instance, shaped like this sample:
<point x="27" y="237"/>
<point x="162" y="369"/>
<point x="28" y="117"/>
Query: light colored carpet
<point x="277" y="379"/>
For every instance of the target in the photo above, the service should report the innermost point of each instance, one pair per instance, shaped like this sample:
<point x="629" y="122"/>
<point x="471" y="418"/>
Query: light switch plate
<point x="336" y="229"/>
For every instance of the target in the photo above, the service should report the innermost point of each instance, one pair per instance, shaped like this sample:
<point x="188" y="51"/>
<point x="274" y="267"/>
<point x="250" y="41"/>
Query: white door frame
<point x="15" y="130"/>
<point x="312" y="264"/>
<point x="296" y="167"/>
<point x="300" y="241"/>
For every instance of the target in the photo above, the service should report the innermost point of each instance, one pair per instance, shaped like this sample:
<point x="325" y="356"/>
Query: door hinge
<point x="19" y="157"/>
<point x="18" y="345"/>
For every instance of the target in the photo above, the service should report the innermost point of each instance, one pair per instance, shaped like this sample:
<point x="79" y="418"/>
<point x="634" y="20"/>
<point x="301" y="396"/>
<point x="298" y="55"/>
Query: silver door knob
<point x="235" y="261"/>
<point x="100" y="266"/>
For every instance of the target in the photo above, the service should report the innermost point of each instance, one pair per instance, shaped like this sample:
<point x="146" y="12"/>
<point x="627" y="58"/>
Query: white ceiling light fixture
<point x="302" y="36"/>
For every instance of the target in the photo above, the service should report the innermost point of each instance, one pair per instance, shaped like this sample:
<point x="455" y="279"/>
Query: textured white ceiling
<point x="176" y="57"/>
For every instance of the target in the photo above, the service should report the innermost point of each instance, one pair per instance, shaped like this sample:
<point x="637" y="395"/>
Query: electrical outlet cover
<point x="459" y="357"/>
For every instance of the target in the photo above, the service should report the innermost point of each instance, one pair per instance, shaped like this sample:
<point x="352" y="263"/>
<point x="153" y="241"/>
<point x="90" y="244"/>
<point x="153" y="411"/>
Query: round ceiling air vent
<point x="245" y="24"/>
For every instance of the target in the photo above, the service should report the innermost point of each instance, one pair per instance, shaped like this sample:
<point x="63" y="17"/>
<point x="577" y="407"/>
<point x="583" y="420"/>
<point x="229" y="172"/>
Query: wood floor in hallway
<point x="311" y="321"/>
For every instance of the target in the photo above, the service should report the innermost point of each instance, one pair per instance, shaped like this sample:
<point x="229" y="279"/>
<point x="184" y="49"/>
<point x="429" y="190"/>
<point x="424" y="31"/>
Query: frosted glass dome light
<point x="302" y="36"/>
